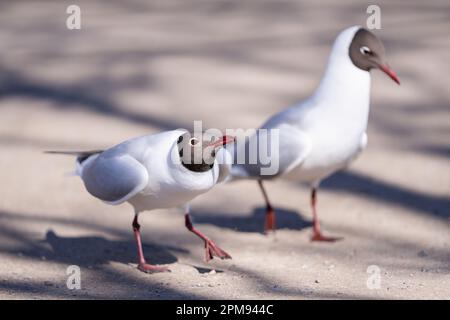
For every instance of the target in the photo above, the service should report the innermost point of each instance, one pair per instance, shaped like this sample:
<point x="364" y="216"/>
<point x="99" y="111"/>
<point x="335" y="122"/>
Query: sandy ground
<point x="136" y="68"/>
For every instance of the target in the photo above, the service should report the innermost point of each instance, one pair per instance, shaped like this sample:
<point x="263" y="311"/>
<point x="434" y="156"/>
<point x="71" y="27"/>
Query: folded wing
<point x="115" y="179"/>
<point x="283" y="152"/>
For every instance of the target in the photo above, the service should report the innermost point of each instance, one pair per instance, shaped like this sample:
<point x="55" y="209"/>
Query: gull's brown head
<point x="367" y="52"/>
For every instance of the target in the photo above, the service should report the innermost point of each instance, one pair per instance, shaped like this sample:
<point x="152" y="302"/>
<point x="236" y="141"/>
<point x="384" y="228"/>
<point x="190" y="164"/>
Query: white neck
<point x="343" y="82"/>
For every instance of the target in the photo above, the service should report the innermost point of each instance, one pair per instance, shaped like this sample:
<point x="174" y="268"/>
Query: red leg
<point x="270" y="213"/>
<point x="211" y="249"/>
<point x="317" y="234"/>
<point x="143" y="265"/>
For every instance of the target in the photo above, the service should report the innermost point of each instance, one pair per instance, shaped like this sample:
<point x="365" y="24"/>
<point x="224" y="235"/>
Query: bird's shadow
<point x="96" y="251"/>
<point x="285" y="219"/>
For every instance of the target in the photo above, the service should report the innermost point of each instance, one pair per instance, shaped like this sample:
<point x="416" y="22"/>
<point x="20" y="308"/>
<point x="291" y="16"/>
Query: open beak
<point x="386" y="69"/>
<point x="222" y="141"/>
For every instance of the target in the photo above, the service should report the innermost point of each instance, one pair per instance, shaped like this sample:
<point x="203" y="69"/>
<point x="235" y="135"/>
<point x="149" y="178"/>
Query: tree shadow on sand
<point x="285" y="219"/>
<point x="360" y="184"/>
<point x="83" y="251"/>
<point x="14" y="83"/>
<point x="91" y="251"/>
<point x="88" y="252"/>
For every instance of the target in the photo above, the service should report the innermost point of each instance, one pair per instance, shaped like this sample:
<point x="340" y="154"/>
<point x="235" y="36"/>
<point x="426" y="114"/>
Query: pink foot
<point x="212" y="250"/>
<point x="148" y="268"/>
<point x="317" y="236"/>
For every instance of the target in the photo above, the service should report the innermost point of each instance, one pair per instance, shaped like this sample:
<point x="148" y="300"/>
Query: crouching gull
<point x="155" y="171"/>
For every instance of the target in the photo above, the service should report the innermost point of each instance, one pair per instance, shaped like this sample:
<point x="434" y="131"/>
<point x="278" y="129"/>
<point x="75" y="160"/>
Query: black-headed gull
<point x="327" y="131"/>
<point x="155" y="171"/>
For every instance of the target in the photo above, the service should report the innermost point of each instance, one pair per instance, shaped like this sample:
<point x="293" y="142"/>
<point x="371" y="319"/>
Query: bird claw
<point x="148" y="268"/>
<point x="317" y="236"/>
<point x="211" y="250"/>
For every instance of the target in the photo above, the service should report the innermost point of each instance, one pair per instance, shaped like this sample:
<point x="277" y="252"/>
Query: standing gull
<point x="156" y="171"/>
<point x="324" y="133"/>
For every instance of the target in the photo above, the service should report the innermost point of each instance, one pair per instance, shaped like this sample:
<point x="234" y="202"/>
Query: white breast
<point x="170" y="184"/>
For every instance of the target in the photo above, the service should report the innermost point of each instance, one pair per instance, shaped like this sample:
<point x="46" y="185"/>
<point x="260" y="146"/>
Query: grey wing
<point x="115" y="179"/>
<point x="295" y="145"/>
<point x="286" y="148"/>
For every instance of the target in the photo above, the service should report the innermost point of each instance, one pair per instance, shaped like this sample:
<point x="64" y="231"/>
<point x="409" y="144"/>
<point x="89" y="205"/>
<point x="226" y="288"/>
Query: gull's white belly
<point x="172" y="190"/>
<point x="149" y="201"/>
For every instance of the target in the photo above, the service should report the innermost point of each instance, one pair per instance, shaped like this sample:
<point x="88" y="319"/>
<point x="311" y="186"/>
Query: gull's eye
<point x="193" y="141"/>
<point x="365" y="50"/>
<point x="180" y="139"/>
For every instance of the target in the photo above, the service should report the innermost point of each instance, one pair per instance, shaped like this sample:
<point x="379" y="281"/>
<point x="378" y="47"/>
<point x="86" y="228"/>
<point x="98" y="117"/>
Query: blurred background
<point x="138" y="67"/>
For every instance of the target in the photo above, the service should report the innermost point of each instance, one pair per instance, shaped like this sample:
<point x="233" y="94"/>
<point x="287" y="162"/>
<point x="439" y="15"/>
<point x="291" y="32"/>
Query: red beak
<point x="222" y="141"/>
<point x="386" y="69"/>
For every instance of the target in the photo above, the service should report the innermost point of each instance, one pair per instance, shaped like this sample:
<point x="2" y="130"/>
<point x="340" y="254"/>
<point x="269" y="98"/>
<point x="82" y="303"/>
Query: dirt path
<point x="136" y="68"/>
